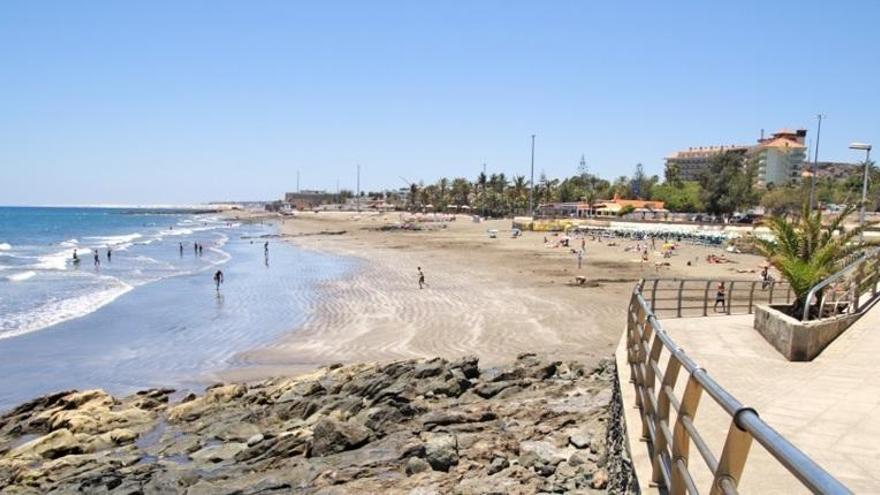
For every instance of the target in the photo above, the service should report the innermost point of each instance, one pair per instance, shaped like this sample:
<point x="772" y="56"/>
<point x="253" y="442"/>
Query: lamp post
<point x="815" y="163"/>
<point x="867" y="149"/>
<point x="532" y="181"/>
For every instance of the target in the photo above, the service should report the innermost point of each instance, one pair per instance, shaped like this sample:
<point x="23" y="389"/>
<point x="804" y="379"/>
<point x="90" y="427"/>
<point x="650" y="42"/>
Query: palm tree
<point x="413" y="196"/>
<point x="806" y="252"/>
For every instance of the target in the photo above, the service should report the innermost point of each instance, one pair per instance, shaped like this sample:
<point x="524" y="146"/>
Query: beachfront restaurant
<point x="645" y="209"/>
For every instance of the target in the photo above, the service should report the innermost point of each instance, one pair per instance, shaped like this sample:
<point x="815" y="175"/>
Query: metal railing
<point x="848" y="291"/>
<point x="669" y="443"/>
<point x="699" y="297"/>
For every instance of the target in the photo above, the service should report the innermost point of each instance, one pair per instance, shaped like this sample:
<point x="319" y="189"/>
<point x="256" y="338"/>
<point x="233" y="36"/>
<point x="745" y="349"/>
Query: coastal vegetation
<point x="729" y="186"/>
<point x="807" y="249"/>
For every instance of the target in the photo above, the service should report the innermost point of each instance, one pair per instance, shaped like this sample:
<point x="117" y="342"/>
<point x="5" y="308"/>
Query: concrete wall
<point x="797" y="340"/>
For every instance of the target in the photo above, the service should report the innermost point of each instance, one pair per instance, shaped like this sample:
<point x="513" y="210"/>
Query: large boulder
<point x="331" y="436"/>
<point x="441" y="451"/>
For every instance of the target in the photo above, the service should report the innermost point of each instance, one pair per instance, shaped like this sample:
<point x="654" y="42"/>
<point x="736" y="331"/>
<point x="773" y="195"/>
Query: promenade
<point x="829" y="408"/>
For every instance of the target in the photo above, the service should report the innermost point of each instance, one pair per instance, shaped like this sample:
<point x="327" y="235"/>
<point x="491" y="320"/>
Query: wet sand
<point x="493" y="298"/>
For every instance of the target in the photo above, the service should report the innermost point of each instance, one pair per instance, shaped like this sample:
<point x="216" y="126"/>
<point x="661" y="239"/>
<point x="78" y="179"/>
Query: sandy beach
<point x="493" y="298"/>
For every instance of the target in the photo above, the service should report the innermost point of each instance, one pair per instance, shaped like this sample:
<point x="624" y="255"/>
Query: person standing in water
<point x="266" y="247"/>
<point x="75" y="257"/>
<point x="421" y="278"/>
<point x="200" y="249"/>
<point x="195" y="248"/>
<point x="181" y="249"/>
<point x="218" y="279"/>
<point x="109" y="254"/>
<point x="97" y="259"/>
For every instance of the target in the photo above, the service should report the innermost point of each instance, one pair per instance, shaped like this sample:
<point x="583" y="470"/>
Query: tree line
<point x="726" y="187"/>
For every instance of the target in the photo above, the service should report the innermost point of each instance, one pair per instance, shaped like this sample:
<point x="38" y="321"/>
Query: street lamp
<point x="867" y="149"/>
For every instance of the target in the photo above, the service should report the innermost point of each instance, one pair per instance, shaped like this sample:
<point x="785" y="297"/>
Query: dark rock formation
<point x="535" y="426"/>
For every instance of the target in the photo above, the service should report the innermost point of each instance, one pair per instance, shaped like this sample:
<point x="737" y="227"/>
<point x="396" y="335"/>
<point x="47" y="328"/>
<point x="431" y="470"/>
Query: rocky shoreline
<point x="415" y="426"/>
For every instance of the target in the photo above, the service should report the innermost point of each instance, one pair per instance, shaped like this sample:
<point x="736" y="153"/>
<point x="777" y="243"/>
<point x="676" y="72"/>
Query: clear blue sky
<point x="177" y="102"/>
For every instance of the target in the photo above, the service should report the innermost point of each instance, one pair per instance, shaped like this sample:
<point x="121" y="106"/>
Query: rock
<point x="468" y="366"/>
<point x="416" y="465"/>
<point x="581" y="439"/>
<point x="233" y="432"/>
<point x="498" y="464"/>
<point x="430" y="368"/>
<point x="440" y="418"/>
<point x="540" y="453"/>
<point x="218" y="453"/>
<point x="363" y="428"/>
<point x="57" y="444"/>
<point x="490" y="389"/>
<point x="599" y="479"/>
<point x="255" y="439"/>
<point x="441" y="451"/>
<point x="331" y="436"/>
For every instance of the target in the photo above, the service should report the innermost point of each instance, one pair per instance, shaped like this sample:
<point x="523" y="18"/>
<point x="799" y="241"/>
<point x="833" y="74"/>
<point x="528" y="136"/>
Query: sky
<point x="186" y="101"/>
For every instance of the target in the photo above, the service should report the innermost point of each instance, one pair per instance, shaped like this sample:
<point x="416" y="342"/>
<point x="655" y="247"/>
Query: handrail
<point x="669" y="448"/>
<point x="855" y="285"/>
<point x="682" y="297"/>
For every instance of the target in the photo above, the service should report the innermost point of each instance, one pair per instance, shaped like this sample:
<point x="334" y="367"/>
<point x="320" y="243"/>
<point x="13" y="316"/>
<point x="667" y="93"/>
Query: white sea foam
<point x="69" y="243"/>
<point x="54" y="261"/>
<point x="20" y="276"/>
<point x="110" y="240"/>
<point x="4" y="246"/>
<point x="57" y="311"/>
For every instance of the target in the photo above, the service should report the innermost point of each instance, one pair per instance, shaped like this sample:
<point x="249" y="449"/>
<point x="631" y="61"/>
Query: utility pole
<point x="532" y="182"/>
<point x="297" y="181"/>
<point x="815" y="163"/>
<point x="358" y="196"/>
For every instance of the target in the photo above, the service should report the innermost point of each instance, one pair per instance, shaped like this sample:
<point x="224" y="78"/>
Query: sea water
<point x="150" y="315"/>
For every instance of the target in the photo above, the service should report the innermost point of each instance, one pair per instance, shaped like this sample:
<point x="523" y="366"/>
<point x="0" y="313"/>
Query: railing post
<point x="630" y="329"/>
<point x="860" y="276"/>
<point x="670" y="376"/>
<point x="680" y="438"/>
<point x="654" y="296"/>
<point x="772" y="285"/>
<point x="872" y="273"/>
<point x="733" y="456"/>
<point x="730" y="298"/>
<point x="642" y="369"/>
<point x="680" y="291"/>
<point x="752" y="296"/>
<point x="706" y="298"/>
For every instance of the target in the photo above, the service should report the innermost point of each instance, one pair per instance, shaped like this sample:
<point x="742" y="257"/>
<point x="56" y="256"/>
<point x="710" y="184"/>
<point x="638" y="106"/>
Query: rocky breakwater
<point x="417" y="426"/>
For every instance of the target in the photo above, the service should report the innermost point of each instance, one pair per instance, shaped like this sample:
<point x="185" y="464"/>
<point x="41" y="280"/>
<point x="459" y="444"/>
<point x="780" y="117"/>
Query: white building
<point x="780" y="157"/>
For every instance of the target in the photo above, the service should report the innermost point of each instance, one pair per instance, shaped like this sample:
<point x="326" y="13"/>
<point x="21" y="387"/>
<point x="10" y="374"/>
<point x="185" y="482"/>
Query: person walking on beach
<point x="218" y="279"/>
<point x="421" y="278"/>
<point x="580" y="257"/>
<point x="266" y="248"/>
<point x="719" y="297"/>
<point x="200" y="249"/>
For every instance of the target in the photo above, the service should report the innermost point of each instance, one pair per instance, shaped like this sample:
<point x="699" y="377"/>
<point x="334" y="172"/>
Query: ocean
<point x="150" y="314"/>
